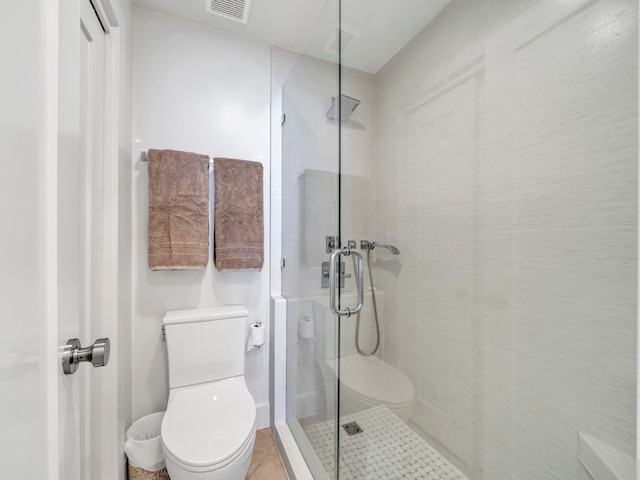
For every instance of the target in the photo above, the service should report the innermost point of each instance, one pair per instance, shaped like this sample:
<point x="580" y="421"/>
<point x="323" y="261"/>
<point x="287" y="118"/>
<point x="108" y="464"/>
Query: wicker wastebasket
<point x="144" y="449"/>
<point x="136" y="473"/>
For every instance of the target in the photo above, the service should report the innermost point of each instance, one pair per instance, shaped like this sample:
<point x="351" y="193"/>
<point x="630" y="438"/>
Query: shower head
<point x="347" y="107"/>
<point x="391" y="248"/>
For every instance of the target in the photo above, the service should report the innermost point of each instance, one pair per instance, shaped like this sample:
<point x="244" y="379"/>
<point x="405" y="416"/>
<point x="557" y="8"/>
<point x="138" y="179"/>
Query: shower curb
<point x="292" y="458"/>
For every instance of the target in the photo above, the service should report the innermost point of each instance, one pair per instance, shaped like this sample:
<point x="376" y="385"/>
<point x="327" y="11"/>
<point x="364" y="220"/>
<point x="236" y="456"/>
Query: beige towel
<point x="239" y="215"/>
<point x="178" y="210"/>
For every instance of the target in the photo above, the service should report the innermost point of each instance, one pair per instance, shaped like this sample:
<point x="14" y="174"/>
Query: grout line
<point x="272" y="451"/>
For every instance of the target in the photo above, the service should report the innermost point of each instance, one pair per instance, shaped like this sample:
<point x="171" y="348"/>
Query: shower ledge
<point x="604" y="462"/>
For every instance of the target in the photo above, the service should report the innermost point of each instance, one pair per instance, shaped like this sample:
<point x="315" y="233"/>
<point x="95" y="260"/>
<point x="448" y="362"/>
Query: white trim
<point x="279" y="358"/>
<point x="102" y="16"/>
<point x="110" y="441"/>
<point x="293" y="460"/>
<point x="49" y="163"/>
<point x="263" y="415"/>
<point x="111" y="14"/>
<point x="110" y="259"/>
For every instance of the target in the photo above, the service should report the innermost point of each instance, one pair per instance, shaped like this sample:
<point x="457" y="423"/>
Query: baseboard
<point x="263" y="416"/>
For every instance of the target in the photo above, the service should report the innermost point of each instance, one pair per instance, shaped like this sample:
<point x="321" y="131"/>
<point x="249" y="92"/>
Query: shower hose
<point x="375" y="308"/>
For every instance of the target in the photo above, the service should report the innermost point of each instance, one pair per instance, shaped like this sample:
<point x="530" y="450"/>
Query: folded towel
<point x="239" y="216"/>
<point x="178" y="210"/>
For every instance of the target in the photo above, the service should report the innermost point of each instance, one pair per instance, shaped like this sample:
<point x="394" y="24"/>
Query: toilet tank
<point x="205" y="344"/>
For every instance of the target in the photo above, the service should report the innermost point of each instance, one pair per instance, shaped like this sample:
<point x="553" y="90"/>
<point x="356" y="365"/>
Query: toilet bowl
<point x="365" y="381"/>
<point x="209" y="428"/>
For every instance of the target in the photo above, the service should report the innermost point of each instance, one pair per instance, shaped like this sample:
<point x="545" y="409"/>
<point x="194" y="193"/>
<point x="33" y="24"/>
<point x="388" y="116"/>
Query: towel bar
<point x="143" y="158"/>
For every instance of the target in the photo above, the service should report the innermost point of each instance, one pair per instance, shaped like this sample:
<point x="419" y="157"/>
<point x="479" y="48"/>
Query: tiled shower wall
<point x="505" y="172"/>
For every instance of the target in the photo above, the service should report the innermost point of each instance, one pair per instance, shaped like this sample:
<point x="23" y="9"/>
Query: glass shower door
<point x="310" y="229"/>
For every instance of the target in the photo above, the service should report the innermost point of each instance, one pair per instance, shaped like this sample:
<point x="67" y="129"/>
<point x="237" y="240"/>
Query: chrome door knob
<point x="73" y="354"/>
<point x="97" y="354"/>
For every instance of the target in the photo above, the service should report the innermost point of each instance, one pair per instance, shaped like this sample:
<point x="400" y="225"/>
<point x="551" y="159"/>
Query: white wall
<point x="202" y="91"/>
<point x="506" y="173"/>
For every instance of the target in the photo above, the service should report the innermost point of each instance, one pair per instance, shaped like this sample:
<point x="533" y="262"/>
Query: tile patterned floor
<point x="265" y="463"/>
<point x="387" y="449"/>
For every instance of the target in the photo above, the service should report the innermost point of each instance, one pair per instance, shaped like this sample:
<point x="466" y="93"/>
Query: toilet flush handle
<point x="73" y="354"/>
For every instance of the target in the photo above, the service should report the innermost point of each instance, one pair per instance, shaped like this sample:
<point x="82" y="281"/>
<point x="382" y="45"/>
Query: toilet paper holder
<point x="256" y="336"/>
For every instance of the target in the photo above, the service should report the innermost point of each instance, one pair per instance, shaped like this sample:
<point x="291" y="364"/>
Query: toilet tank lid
<point x="204" y="314"/>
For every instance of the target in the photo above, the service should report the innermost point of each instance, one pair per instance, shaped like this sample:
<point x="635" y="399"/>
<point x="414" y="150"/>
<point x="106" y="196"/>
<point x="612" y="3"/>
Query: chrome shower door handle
<point x="347" y="312"/>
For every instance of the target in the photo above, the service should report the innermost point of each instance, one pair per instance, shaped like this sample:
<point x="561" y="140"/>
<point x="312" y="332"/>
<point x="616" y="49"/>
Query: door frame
<point x="54" y="15"/>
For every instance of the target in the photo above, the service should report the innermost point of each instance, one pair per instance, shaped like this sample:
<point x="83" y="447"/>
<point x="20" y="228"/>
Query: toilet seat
<point x="209" y="425"/>
<point x="373" y="380"/>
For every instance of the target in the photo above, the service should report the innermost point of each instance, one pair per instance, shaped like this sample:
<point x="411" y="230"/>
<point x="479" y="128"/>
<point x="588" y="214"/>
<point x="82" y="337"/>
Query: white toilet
<point x="366" y="381"/>
<point x="209" y="428"/>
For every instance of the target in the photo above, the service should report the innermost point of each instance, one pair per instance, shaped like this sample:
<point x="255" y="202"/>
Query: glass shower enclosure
<point x="481" y="158"/>
<point x="310" y="212"/>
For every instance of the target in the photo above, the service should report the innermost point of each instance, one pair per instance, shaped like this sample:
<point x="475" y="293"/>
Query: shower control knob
<point x="73" y="354"/>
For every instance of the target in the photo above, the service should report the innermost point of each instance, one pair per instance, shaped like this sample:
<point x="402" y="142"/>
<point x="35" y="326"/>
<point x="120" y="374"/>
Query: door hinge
<point x="283" y="118"/>
<point x="282" y="263"/>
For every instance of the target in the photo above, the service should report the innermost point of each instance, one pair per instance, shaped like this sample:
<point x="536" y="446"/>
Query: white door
<point x="57" y="279"/>
<point x="83" y="310"/>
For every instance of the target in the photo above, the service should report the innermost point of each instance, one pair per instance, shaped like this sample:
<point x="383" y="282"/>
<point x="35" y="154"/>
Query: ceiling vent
<point x="237" y="10"/>
<point x="346" y="36"/>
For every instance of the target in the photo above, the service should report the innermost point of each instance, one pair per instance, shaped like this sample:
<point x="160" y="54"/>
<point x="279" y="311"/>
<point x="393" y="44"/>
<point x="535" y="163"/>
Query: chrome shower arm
<point x="371" y="245"/>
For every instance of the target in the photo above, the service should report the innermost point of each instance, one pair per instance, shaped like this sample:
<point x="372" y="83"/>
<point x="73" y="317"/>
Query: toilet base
<point x="368" y="382"/>
<point x="233" y="470"/>
<point x="350" y="404"/>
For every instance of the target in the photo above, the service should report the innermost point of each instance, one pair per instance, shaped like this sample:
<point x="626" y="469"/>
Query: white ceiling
<point x="385" y="26"/>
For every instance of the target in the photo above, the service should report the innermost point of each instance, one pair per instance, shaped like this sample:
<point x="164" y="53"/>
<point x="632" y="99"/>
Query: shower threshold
<point x="386" y="449"/>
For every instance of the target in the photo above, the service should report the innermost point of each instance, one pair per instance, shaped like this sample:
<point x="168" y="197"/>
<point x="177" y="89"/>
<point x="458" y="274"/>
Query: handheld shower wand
<point x="370" y="246"/>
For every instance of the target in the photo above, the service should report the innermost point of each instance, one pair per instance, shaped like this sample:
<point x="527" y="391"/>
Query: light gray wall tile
<point x="506" y="172"/>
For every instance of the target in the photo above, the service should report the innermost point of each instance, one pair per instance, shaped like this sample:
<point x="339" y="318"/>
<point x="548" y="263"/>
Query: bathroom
<point x="494" y="145"/>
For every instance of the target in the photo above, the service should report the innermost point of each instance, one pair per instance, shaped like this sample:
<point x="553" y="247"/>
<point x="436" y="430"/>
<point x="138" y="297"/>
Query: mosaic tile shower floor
<point x="387" y="449"/>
